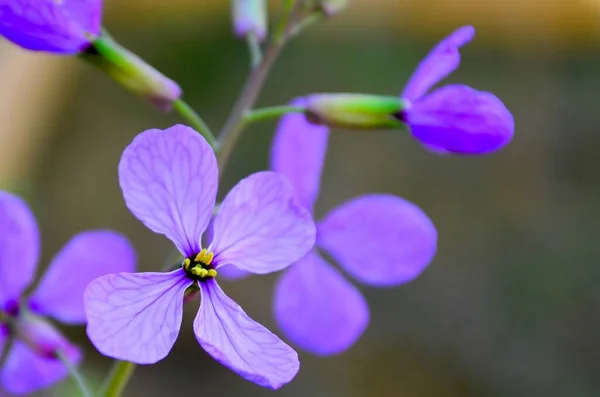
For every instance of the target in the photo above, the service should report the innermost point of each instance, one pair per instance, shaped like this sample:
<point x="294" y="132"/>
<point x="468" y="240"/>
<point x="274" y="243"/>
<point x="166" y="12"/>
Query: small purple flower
<point x="58" y="26"/>
<point x="169" y="182"/>
<point x="454" y="118"/>
<point x="31" y="362"/>
<point x="378" y="239"/>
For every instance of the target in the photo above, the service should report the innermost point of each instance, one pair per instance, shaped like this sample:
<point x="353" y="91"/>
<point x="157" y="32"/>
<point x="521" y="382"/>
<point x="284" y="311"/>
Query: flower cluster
<point x="169" y="180"/>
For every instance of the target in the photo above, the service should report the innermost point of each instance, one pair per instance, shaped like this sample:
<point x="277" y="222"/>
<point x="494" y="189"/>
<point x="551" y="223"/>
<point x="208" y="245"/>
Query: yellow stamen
<point x="195" y="271"/>
<point x="203" y="272"/>
<point x="186" y="264"/>
<point x="200" y="256"/>
<point x="212" y="273"/>
<point x="209" y="257"/>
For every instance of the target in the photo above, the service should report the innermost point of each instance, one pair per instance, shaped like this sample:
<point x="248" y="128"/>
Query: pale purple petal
<point x="231" y="272"/>
<point x="59" y="26"/>
<point x="459" y="119"/>
<point x="19" y="247"/>
<point x="169" y="181"/>
<point x="260" y="227"/>
<point x="85" y="257"/>
<point x="442" y="60"/>
<point x="298" y="152"/>
<point x="4" y="333"/>
<point x="318" y="309"/>
<point x="235" y="340"/>
<point x="135" y="316"/>
<point x="26" y="371"/>
<point x="379" y="239"/>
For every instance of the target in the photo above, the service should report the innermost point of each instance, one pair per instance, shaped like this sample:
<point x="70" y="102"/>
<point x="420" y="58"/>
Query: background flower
<point x="30" y="364"/>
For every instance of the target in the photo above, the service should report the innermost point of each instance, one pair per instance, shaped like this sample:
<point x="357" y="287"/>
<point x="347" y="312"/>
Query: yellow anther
<point x="186" y="263"/>
<point x="209" y="257"/>
<point x="200" y="256"/>
<point x="203" y="272"/>
<point x="212" y="273"/>
<point x="195" y="271"/>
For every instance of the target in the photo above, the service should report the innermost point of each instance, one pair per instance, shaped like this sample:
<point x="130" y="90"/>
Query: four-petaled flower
<point x="454" y="118"/>
<point x="31" y="363"/>
<point x="58" y="26"/>
<point x="378" y="239"/>
<point x="169" y="182"/>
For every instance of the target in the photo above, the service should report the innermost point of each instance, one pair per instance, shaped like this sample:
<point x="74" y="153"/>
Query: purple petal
<point x="298" y="152"/>
<point x="231" y="272"/>
<point x="381" y="240"/>
<point x="235" y="340"/>
<point x="19" y="247"/>
<point x="259" y="227"/>
<point x="459" y="119"/>
<point x="439" y="63"/>
<point x="169" y="181"/>
<point x="25" y="371"/>
<point x="86" y="256"/>
<point x="61" y="27"/>
<point x="318" y="309"/>
<point x="135" y="316"/>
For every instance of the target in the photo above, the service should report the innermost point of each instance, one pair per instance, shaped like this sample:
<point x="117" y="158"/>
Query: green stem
<point x="234" y="125"/>
<point x="255" y="50"/>
<point x="195" y="121"/>
<point x="270" y="113"/>
<point x="118" y="379"/>
<point x="75" y="374"/>
<point x="305" y="23"/>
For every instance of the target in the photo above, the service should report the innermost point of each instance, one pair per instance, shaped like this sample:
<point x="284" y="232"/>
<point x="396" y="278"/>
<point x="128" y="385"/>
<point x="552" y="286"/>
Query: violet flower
<point x="31" y="362"/>
<point x="454" y="118"/>
<point x="169" y="182"/>
<point x="378" y="239"/>
<point x="58" y="26"/>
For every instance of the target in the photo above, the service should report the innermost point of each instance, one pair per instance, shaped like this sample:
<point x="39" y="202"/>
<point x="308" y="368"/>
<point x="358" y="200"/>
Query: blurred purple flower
<point x="58" y="26"/>
<point x="169" y="182"/>
<point x="454" y="118"/>
<point x="31" y="362"/>
<point x="379" y="239"/>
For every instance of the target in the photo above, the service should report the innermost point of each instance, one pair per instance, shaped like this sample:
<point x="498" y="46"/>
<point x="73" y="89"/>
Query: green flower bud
<point x="132" y="72"/>
<point x="355" y="111"/>
<point x="250" y="17"/>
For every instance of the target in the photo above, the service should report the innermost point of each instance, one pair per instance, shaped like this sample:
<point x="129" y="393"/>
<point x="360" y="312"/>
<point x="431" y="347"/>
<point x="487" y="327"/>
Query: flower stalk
<point x="75" y="374"/>
<point x="118" y="379"/>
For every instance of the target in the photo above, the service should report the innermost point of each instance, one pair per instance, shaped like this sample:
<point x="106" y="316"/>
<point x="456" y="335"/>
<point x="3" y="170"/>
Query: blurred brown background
<point x="510" y="306"/>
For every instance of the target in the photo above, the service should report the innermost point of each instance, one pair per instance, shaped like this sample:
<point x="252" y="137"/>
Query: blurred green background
<point x="511" y="304"/>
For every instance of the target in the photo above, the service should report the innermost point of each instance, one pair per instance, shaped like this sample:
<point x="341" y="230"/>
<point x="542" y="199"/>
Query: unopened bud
<point x="250" y="18"/>
<point x="355" y="111"/>
<point x="41" y="337"/>
<point x="333" y="7"/>
<point x="132" y="72"/>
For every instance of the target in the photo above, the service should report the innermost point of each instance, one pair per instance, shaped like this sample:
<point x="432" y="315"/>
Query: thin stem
<point x="234" y="126"/>
<point x="195" y="121"/>
<point x="75" y="374"/>
<point x="305" y="23"/>
<point x="270" y="113"/>
<point x="255" y="50"/>
<point x="118" y="379"/>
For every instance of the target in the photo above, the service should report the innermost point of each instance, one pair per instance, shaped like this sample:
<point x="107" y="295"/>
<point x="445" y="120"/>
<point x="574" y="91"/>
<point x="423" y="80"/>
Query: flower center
<point x="199" y="267"/>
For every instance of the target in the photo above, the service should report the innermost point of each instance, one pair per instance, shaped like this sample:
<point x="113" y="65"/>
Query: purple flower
<point x="454" y="118"/>
<point x="378" y="239"/>
<point x="31" y="362"/>
<point x="58" y="26"/>
<point x="169" y="181"/>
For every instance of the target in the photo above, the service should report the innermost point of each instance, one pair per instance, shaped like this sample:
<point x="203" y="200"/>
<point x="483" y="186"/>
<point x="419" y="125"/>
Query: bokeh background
<point x="511" y="304"/>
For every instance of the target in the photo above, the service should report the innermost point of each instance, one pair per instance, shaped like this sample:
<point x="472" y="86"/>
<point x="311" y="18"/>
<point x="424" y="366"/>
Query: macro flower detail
<point x="378" y="239"/>
<point x="61" y="27"/>
<point x="454" y="118"/>
<point x="169" y="182"/>
<point x="31" y="362"/>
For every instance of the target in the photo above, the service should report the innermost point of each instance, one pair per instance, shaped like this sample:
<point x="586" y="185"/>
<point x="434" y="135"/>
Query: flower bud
<point x="41" y="337"/>
<point x="250" y="17"/>
<point x="333" y="7"/>
<point x="132" y="72"/>
<point x="354" y="111"/>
